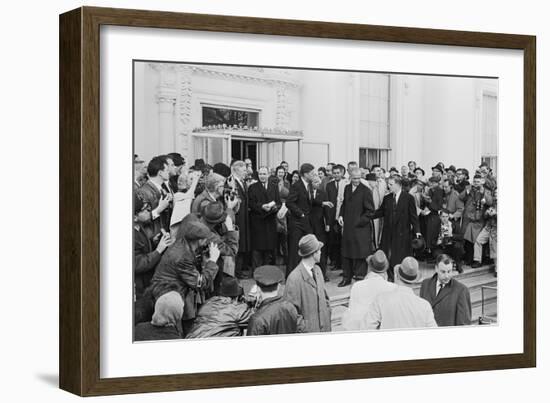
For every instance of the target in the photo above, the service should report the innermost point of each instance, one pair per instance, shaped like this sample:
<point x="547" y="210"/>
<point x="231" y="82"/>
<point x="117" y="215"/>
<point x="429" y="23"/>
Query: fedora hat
<point x="308" y="245"/>
<point x="408" y="271"/>
<point x="378" y="262"/>
<point x="214" y="213"/>
<point x="440" y="167"/>
<point x="230" y="287"/>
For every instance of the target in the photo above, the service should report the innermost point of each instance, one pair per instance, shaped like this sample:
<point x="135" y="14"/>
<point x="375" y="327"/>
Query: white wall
<point x="30" y="126"/>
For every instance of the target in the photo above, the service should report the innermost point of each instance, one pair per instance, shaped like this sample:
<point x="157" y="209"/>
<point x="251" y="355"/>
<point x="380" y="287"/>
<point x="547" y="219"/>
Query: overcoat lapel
<point x="444" y="293"/>
<point x="306" y="276"/>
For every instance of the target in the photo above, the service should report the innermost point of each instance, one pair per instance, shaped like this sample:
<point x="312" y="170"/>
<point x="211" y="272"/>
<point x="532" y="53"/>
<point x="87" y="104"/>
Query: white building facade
<point x="313" y="116"/>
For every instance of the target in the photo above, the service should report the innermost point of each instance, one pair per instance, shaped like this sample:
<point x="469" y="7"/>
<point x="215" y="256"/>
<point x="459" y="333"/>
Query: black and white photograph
<point x="279" y="201"/>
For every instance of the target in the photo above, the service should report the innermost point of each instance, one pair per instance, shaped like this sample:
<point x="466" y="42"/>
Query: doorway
<point x="242" y="149"/>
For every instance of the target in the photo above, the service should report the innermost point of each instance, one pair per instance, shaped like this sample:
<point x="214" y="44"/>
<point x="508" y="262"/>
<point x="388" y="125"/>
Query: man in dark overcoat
<point x="449" y="298"/>
<point x="400" y="223"/>
<point x="356" y="218"/>
<point x="299" y="206"/>
<point x="264" y="202"/>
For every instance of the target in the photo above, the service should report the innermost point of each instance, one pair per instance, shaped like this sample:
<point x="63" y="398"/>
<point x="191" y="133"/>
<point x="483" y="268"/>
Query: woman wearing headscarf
<point x="166" y="322"/>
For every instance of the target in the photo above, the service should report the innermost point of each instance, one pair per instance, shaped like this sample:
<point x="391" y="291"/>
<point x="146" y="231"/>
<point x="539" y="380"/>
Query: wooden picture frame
<point x="80" y="196"/>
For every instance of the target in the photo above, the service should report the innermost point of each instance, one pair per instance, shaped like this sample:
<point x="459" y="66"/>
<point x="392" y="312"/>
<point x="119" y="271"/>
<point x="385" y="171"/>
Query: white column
<point x="166" y="124"/>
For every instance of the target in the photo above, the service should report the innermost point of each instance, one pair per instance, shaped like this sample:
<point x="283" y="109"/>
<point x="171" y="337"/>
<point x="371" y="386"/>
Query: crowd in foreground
<point x="199" y="230"/>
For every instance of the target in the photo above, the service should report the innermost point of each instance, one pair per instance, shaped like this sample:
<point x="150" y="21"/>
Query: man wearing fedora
<point x="305" y="287"/>
<point x="449" y="298"/>
<point x="401" y="307"/>
<point x="225" y="315"/>
<point x="400" y="222"/>
<point x="274" y="315"/>
<point x="363" y="292"/>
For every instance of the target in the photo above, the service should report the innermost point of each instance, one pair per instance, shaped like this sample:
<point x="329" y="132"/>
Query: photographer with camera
<point x="189" y="267"/>
<point x="215" y="191"/>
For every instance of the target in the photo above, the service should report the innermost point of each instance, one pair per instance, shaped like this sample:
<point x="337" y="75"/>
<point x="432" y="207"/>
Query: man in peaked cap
<point x="274" y="314"/>
<point x="305" y="287"/>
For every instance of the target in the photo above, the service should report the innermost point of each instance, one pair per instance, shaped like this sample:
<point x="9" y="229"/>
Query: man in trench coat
<point x="305" y="287"/>
<point x="356" y="219"/>
<point x="400" y="222"/>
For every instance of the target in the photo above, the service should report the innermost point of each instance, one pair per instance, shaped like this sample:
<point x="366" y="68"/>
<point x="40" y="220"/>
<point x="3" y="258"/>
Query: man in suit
<point x="400" y="221"/>
<point x="305" y="287"/>
<point x="299" y="205"/>
<point x="237" y="182"/>
<point x="153" y="193"/>
<point x="449" y="298"/>
<point x="264" y="202"/>
<point x="319" y="219"/>
<point x="372" y="183"/>
<point x="334" y="189"/>
<point x="356" y="219"/>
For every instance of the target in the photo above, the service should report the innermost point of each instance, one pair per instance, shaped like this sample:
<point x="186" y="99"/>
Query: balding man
<point x="356" y="219"/>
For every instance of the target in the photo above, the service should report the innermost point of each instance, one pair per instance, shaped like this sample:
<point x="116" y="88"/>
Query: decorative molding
<point x="282" y="114"/>
<point x="254" y="76"/>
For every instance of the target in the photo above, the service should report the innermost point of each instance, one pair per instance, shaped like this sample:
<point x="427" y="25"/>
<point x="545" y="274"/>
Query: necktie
<point x="337" y="186"/>
<point x="394" y="201"/>
<point x="441" y="286"/>
<point x="314" y="276"/>
<point x="310" y="187"/>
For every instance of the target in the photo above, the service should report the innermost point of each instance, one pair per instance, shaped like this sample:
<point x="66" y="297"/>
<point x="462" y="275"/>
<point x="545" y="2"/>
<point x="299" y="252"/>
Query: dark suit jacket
<point x="299" y="206"/>
<point x="150" y="194"/>
<point x="146" y="259"/>
<point x="332" y="196"/>
<point x="263" y="224"/>
<point x="398" y="224"/>
<point x="452" y="306"/>
<point x="319" y="216"/>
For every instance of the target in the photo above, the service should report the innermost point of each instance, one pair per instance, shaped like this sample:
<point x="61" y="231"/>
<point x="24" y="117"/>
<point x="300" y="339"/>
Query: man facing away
<point x="401" y="308"/>
<point x="305" y="287"/>
<point x="274" y="315"/>
<point x="363" y="292"/>
<point x="449" y="298"/>
<point x="224" y="315"/>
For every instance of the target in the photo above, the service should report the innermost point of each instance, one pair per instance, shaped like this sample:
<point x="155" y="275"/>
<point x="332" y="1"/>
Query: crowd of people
<point x="198" y="230"/>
